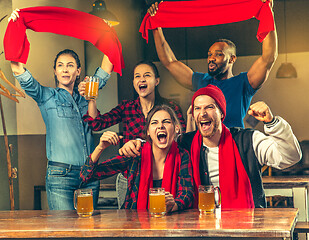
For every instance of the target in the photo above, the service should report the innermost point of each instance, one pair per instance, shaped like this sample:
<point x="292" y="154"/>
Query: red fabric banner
<point x="63" y="21"/>
<point x="236" y="191"/>
<point x="199" y="13"/>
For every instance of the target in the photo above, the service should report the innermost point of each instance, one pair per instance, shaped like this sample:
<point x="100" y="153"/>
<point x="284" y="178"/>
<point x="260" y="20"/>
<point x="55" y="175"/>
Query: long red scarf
<point x="199" y="13"/>
<point x="170" y="174"/>
<point x="234" y="182"/>
<point x="63" y="21"/>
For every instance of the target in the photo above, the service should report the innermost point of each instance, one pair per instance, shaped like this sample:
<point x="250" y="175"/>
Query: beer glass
<point x="207" y="202"/>
<point x="92" y="87"/>
<point x="157" y="207"/>
<point x="83" y="202"/>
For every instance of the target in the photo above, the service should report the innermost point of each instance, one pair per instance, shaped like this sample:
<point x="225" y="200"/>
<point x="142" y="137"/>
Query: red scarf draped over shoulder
<point x="170" y="174"/>
<point x="199" y="13"/>
<point x="234" y="182"/>
<point x="63" y="21"/>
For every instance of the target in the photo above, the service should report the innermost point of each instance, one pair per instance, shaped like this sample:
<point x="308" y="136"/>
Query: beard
<point x="212" y="130"/>
<point x="219" y="70"/>
<point x="215" y="72"/>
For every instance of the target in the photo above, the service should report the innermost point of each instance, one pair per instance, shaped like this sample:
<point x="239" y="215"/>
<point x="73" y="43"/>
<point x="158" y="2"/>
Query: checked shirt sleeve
<point x="106" y="120"/>
<point x="185" y="190"/>
<point x="95" y="171"/>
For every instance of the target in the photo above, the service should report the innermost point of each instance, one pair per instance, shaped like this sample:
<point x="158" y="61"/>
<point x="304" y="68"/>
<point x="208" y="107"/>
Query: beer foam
<point x="156" y="194"/>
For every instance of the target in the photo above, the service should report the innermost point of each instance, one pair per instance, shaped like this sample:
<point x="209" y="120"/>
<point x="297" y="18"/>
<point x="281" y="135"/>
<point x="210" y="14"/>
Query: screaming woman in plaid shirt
<point x="161" y="163"/>
<point x="132" y="113"/>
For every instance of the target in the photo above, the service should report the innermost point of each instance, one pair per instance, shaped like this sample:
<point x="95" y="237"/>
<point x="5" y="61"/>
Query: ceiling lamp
<point x="99" y="10"/>
<point x="286" y="70"/>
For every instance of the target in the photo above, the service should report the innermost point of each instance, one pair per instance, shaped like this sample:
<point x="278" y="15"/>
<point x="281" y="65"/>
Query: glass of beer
<point x="207" y="201"/>
<point x="92" y="87"/>
<point x="83" y="202"/>
<point x="157" y="207"/>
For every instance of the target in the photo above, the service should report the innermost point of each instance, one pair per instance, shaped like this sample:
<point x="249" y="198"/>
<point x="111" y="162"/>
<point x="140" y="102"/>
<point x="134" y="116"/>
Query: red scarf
<point x="234" y="182"/>
<point x="199" y="13"/>
<point x="63" y="21"/>
<point x="170" y="174"/>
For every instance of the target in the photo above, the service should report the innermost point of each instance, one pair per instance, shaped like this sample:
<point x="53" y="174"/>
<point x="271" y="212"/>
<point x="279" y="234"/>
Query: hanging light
<point x="99" y="10"/>
<point x="286" y="70"/>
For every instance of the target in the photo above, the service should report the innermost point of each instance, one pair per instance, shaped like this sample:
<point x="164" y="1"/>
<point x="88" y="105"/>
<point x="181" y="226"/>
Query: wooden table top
<point x="285" y="181"/>
<point x="26" y="224"/>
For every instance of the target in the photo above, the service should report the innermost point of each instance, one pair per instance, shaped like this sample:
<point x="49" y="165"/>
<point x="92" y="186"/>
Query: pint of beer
<point x="157" y="207"/>
<point x="83" y="202"/>
<point x="207" y="200"/>
<point x="92" y="87"/>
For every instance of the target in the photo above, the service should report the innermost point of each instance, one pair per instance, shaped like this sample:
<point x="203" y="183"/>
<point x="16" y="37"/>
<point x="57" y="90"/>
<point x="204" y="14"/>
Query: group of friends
<point x="159" y="149"/>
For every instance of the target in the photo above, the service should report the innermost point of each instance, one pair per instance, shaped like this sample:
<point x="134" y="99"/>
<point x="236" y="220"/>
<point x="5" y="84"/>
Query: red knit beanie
<point x="215" y="93"/>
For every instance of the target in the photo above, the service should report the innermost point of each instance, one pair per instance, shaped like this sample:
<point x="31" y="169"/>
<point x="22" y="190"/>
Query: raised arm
<point x="181" y="72"/>
<point x="92" y="109"/>
<point x="259" y="71"/>
<point x="278" y="147"/>
<point x="108" y="138"/>
<point x="92" y="171"/>
<point x="92" y="104"/>
<point x="190" y="121"/>
<point x="106" y="65"/>
<point x="17" y="68"/>
<point x="31" y="86"/>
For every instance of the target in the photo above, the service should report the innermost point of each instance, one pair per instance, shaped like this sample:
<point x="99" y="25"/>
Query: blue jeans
<point x="61" y="182"/>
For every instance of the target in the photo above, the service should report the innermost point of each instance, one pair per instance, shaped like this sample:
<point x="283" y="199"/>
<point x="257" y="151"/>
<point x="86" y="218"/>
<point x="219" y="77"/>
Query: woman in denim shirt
<point x="68" y="139"/>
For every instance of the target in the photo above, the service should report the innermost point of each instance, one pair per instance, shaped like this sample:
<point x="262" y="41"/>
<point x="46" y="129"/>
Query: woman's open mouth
<point x="162" y="137"/>
<point x="142" y="87"/>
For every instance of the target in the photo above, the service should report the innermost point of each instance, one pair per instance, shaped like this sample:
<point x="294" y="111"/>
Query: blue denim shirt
<point x="68" y="138"/>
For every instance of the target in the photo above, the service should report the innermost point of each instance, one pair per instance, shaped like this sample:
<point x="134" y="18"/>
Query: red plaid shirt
<point x="96" y="171"/>
<point x="129" y="112"/>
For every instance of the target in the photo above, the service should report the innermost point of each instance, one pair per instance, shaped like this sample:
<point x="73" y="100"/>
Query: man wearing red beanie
<point x="238" y="90"/>
<point x="232" y="158"/>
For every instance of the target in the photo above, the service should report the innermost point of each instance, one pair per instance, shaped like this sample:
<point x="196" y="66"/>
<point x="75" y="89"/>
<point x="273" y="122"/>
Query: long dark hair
<point x="158" y="99"/>
<point x="155" y="109"/>
<point x="72" y="54"/>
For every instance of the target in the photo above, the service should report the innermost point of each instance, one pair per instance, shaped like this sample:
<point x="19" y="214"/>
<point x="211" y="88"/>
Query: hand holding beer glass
<point x="83" y="202"/>
<point x="157" y="207"/>
<point x="91" y="88"/>
<point x="207" y="200"/>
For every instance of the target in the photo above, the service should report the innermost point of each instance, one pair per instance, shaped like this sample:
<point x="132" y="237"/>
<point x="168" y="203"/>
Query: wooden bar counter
<point x="272" y="223"/>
